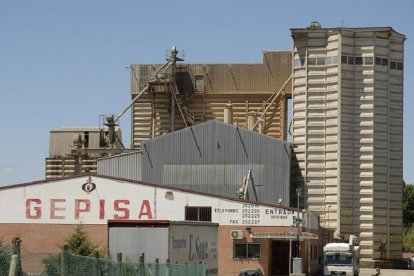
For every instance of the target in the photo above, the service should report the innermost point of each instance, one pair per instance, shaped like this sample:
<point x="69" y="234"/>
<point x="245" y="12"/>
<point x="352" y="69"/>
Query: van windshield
<point x="338" y="259"/>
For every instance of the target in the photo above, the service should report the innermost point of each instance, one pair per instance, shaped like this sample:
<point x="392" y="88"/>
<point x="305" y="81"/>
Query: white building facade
<point x="43" y="214"/>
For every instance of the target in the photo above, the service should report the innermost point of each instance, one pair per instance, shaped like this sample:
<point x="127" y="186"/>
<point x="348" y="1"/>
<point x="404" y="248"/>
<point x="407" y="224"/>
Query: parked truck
<point x="341" y="258"/>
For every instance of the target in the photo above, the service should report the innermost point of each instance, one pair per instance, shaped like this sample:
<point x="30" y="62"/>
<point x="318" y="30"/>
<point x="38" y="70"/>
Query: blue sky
<point x="62" y="63"/>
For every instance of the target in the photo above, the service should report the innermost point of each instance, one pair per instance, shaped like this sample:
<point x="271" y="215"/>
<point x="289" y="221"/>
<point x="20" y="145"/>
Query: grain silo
<point x="348" y="131"/>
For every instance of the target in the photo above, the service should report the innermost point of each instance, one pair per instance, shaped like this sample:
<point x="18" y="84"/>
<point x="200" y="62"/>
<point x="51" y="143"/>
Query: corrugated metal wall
<point x="212" y="157"/>
<point x="204" y="108"/>
<point x="127" y="165"/>
<point x="245" y="86"/>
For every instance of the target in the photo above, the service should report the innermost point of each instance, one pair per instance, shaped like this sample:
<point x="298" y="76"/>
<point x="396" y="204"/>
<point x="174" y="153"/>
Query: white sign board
<point x="96" y="200"/>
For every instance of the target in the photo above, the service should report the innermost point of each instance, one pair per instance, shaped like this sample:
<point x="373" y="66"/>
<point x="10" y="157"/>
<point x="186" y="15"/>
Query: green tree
<point x="79" y="244"/>
<point x="408" y="239"/>
<point x="408" y="205"/>
<point x="5" y="258"/>
<point x="408" y="217"/>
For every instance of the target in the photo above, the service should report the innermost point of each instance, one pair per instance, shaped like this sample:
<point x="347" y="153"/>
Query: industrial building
<point x="346" y="86"/>
<point x="133" y="217"/>
<point x="212" y="157"/>
<point x="74" y="151"/>
<point x="348" y="131"/>
<point x="174" y="96"/>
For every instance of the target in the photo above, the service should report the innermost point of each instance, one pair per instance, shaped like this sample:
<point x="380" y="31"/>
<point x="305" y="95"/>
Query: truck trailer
<point x="181" y="242"/>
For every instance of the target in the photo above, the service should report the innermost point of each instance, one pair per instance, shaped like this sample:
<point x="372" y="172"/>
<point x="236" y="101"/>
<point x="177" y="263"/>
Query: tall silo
<point x="348" y="131"/>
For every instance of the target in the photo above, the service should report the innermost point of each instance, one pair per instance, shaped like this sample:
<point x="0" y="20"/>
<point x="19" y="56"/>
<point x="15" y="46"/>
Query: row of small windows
<point x="396" y="65"/>
<point x="297" y="63"/>
<point x="354" y="60"/>
<point x="370" y="61"/>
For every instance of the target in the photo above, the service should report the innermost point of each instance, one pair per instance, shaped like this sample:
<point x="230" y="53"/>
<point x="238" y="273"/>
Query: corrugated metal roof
<point x="257" y="78"/>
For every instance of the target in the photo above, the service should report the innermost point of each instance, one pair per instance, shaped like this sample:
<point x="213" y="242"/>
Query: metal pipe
<point x="298" y="192"/>
<point x="132" y="102"/>
<point x="273" y="100"/>
<point x="168" y="63"/>
<point x="173" y="96"/>
<point x="290" y="250"/>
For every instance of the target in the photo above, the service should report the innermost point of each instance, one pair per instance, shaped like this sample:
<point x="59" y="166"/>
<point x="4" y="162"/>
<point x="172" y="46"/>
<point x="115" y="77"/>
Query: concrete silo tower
<point x="348" y="131"/>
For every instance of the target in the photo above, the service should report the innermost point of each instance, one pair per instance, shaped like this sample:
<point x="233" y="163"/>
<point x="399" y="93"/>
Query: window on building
<point x="246" y="251"/>
<point x="368" y="60"/>
<point x="351" y="60"/>
<point x="393" y="65"/>
<point x="378" y="61"/>
<point x="384" y="61"/>
<point x="311" y="61"/>
<point x="358" y="60"/>
<point x="344" y="59"/>
<point x="400" y="66"/>
<point x="197" y="213"/>
<point x="320" y="61"/>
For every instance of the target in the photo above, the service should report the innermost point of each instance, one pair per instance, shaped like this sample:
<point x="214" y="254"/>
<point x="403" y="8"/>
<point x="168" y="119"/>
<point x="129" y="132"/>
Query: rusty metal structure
<point x="177" y="95"/>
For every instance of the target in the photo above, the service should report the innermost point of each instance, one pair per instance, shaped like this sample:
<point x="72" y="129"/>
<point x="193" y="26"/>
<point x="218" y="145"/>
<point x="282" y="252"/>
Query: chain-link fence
<point x="5" y="259"/>
<point x="66" y="264"/>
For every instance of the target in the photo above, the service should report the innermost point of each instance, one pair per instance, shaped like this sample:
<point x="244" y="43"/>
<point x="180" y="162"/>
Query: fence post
<point x="16" y="251"/>
<point x="119" y="262"/>
<point x="97" y="266"/>
<point x="13" y="265"/>
<point x="64" y="261"/>
<point x="157" y="264"/>
<point x="168" y="267"/>
<point x="142" y="265"/>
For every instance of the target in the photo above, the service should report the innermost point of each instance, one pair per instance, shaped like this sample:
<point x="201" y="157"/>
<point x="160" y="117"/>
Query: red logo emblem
<point x="89" y="186"/>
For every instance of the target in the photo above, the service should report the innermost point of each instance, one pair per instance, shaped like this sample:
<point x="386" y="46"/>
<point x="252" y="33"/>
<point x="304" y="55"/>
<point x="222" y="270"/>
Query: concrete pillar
<point x="228" y="114"/>
<point x="251" y="120"/>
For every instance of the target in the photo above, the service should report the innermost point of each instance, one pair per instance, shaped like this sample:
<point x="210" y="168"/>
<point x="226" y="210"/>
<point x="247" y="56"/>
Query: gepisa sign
<point x="80" y="200"/>
<point x="97" y="200"/>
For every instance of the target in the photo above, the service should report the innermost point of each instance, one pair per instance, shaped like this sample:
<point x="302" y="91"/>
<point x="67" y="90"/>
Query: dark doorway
<point x="280" y="257"/>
